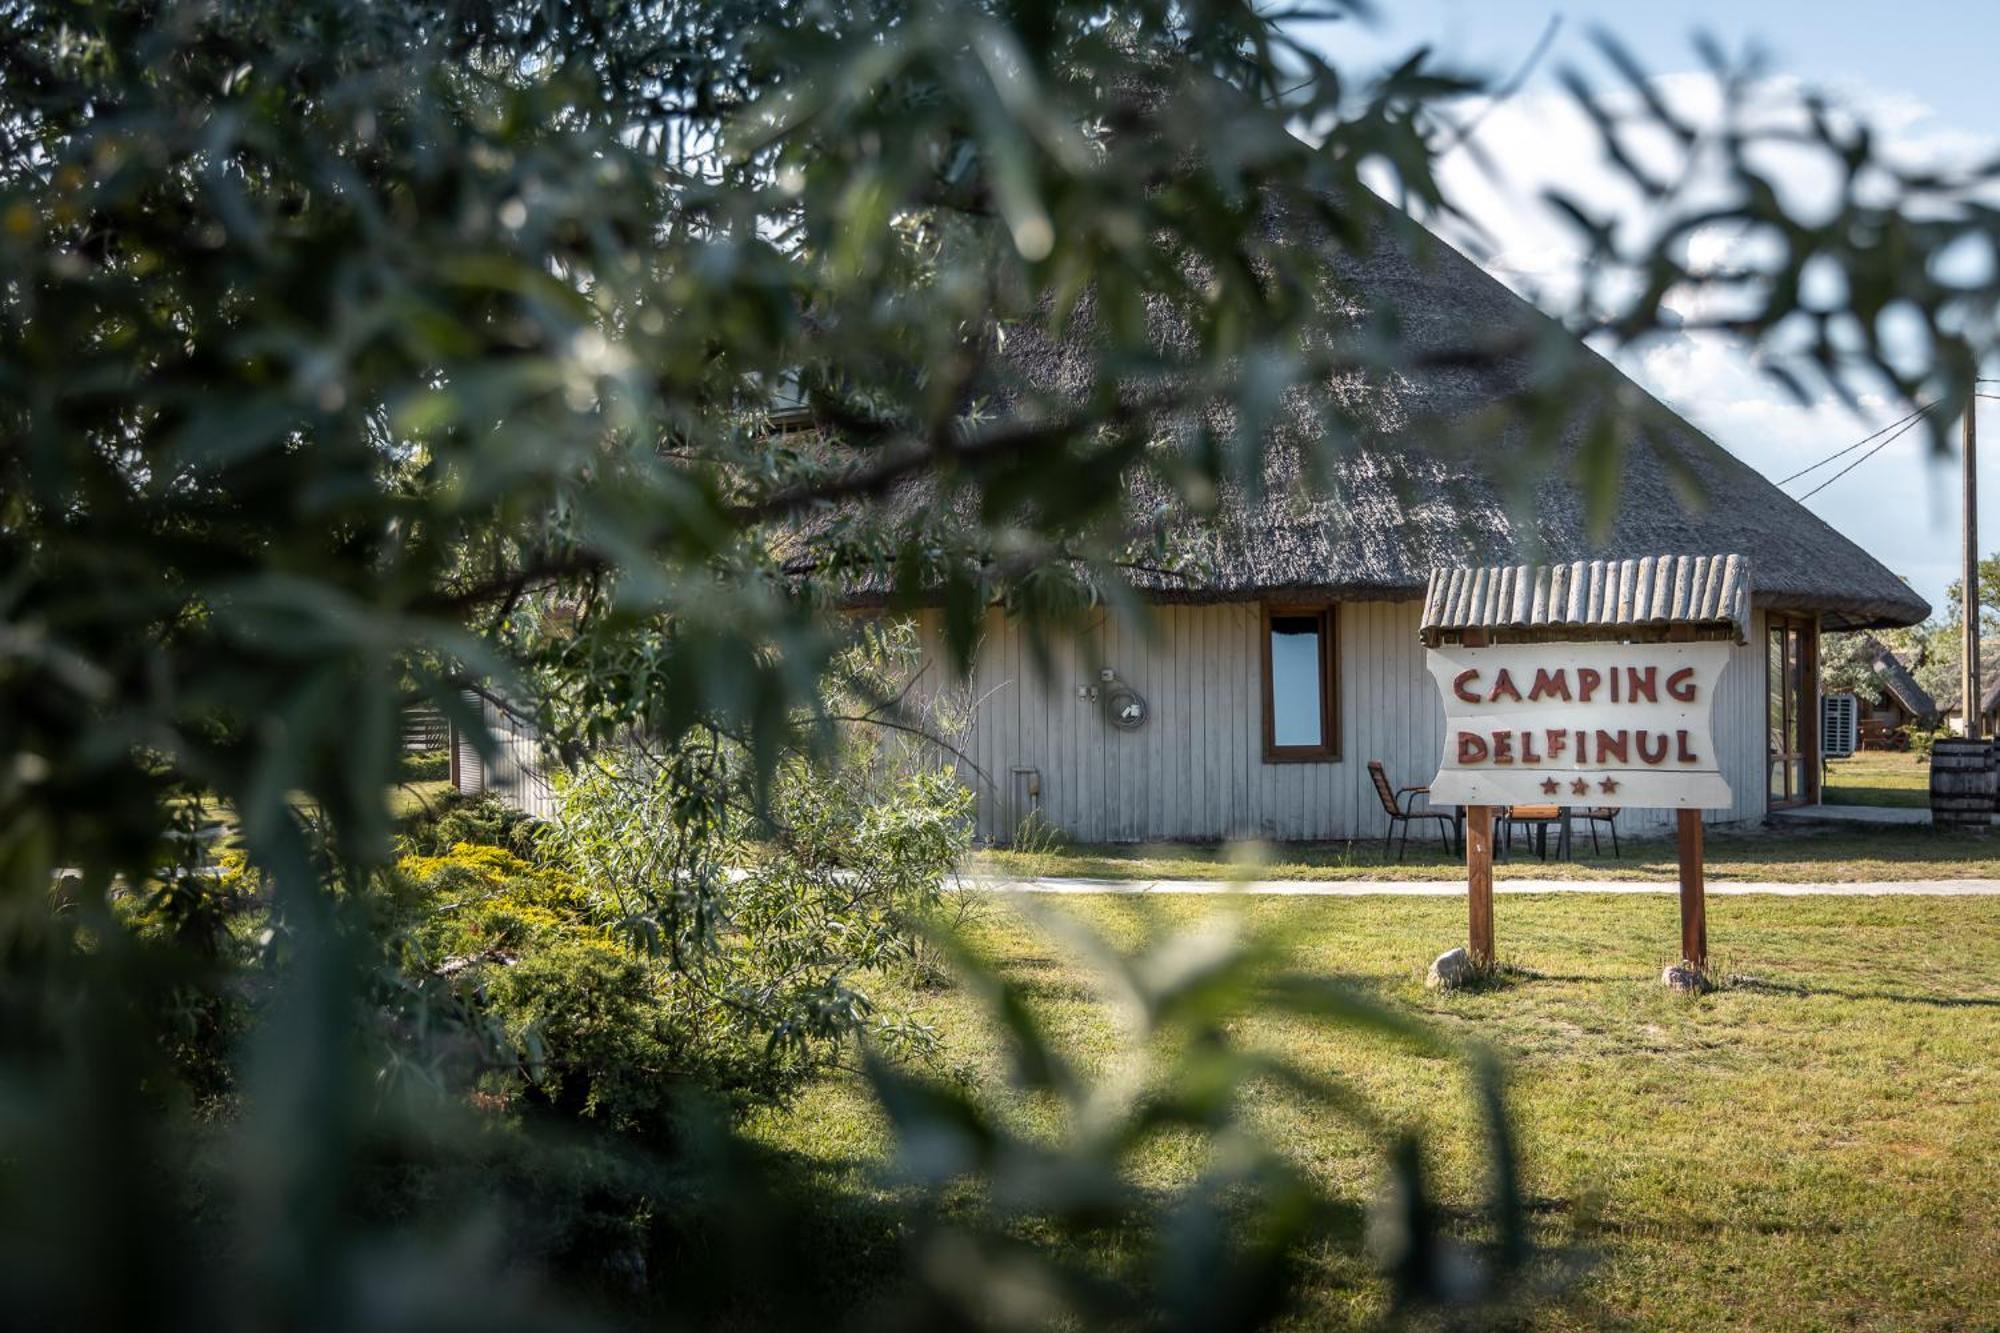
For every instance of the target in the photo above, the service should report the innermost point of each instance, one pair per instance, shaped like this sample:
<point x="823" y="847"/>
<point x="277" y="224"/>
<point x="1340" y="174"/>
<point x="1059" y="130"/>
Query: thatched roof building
<point x="1444" y="467"/>
<point x="1989" y="689"/>
<point x="1283" y="665"/>
<point x="1284" y="656"/>
<point x="1899" y="684"/>
<point x="1444" y="472"/>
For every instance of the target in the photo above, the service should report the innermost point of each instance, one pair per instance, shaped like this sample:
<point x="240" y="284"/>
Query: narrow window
<point x="1300" y="719"/>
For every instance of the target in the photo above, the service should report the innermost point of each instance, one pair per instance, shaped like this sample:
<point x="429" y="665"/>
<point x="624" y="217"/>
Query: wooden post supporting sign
<point x="1694" y="896"/>
<point x="1479" y="882"/>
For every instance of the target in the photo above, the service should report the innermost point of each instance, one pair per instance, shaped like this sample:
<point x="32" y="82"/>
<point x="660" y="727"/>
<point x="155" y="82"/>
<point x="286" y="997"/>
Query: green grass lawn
<point x="415" y="798"/>
<point x="1878" y="777"/>
<point x="1815" y="1146"/>
<point x="1800" y="855"/>
<point x="406" y="800"/>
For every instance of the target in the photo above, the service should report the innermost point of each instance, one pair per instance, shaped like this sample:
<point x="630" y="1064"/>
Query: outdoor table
<point x="1541" y="816"/>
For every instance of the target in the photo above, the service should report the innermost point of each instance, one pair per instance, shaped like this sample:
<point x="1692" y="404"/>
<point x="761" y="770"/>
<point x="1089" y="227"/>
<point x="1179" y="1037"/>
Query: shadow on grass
<point x="1499" y="977"/>
<point x="1763" y="986"/>
<point x="837" y="1244"/>
<point x="841" y="1244"/>
<point x="1891" y="797"/>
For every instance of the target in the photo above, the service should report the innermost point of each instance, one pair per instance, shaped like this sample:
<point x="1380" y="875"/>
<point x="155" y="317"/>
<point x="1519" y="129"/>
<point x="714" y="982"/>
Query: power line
<point x="1908" y="425"/>
<point x="1833" y="457"/>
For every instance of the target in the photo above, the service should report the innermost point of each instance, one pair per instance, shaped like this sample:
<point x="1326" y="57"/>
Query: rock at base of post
<point x="1685" y="979"/>
<point x="1449" y="970"/>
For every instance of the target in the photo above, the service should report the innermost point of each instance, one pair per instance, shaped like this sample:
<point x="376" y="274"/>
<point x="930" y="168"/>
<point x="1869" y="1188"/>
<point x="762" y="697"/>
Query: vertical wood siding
<point x="1195" y="770"/>
<point x="517" y="775"/>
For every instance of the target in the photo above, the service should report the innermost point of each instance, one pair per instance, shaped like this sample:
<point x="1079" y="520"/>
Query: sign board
<point x="1600" y="724"/>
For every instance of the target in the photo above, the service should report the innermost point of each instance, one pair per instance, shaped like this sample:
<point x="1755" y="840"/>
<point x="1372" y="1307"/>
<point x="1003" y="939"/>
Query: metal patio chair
<point x="1396" y="805"/>
<point x="1608" y="816"/>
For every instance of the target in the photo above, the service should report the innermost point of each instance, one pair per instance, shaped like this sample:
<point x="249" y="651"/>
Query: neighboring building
<point x="1265" y="684"/>
<point x="518" y="774"/>
<point x="1952" y="713"/>
<point x="1896" y="705"/>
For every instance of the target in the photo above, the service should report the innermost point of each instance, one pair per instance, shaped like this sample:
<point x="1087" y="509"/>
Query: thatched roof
<point x="1441" y="476"/>
<point x="1897" y="682"/>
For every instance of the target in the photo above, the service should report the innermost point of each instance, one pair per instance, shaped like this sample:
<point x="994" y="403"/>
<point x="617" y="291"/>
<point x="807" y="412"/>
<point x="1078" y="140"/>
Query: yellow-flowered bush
<point x="479" y="898"/>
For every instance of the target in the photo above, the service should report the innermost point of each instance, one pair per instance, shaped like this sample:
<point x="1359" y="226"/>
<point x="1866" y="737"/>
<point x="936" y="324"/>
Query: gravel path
<point x="1361" y="888"/>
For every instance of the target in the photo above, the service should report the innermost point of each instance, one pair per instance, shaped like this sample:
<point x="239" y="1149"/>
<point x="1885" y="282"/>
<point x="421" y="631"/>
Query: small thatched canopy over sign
<point x="1592" y="599"/>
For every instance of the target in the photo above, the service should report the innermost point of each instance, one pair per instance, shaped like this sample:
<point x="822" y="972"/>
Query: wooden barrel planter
<point x="1962" y="784"/>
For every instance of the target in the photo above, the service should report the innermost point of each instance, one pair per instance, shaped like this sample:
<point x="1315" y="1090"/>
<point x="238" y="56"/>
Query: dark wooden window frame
<point x="1328" y="750"/>
<point x="1809" y="709"/>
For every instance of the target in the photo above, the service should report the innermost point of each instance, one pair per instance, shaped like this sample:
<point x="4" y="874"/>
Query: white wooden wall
<point x="1195" y="770"/>
<point x="518" y="774"/>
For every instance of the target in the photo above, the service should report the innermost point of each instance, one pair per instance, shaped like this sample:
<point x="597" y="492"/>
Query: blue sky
<point x="1940" y="50"/>
<point x="1923" y="71"/>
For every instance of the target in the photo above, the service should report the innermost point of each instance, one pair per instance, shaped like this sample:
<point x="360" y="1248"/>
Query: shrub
<point x="472" y="819"/>
<point x="770" y="941"/>
<point x="595" y="1036"/>
<point x="1923" y="738"/>
<point x="589" y="1028"/>
<point x="480" y="900"/>
<point x="426" y="766"/>
<point x="685" y="921"/>
<point x="206" y="923"/>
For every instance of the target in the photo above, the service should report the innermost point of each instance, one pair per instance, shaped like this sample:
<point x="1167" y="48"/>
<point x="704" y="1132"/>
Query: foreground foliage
<point x="534" y="1093"/>
<point x="361" y="355"/>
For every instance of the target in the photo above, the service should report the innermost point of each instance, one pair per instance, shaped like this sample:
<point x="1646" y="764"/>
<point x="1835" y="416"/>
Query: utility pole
<point x="1969" y="588"/>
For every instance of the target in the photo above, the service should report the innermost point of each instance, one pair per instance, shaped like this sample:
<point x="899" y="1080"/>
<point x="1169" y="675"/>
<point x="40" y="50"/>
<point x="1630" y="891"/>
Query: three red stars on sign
<point x="1580" y="787"/>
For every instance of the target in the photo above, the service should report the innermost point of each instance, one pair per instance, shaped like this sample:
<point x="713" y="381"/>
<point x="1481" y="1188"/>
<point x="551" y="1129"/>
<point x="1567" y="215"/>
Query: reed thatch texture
<point x="1899" y="684"/>
<point x="1442" y="469"/>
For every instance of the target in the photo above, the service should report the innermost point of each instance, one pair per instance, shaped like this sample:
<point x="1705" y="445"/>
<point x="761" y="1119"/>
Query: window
<point x="1300" y="718"/>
